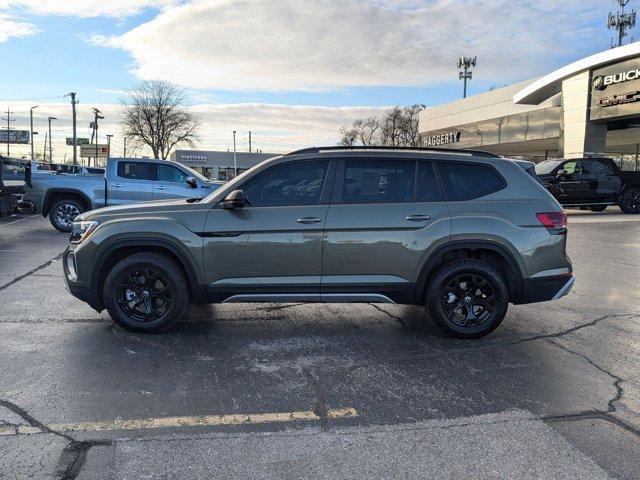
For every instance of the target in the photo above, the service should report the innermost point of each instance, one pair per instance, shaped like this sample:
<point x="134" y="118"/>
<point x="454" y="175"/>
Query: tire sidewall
<point x="55" y="224"/>
<point x="453" y="269"/>
<point x="176" y="282"/>
<point x="623" y="201"/>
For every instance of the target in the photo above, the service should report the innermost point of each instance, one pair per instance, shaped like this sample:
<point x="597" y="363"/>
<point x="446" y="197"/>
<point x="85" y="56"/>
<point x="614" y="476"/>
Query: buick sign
<point x="603" y="81"/>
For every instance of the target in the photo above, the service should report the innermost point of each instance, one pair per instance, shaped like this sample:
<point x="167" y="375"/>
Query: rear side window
<point x="134" y="170"/>
<point x="428" y="187"/>
<point x="378" y="181"/>
<point x="466" y="181"/>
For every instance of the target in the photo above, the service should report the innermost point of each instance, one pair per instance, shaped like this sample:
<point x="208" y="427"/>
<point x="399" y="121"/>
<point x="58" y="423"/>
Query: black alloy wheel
<point x="630" y="201"/>
<point x="144" y="294"/>
<point x="468" y="299"/>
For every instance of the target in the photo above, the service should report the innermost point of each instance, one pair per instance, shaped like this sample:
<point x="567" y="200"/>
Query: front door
<point x="382" y="222"/>
<point x="132" y="183"/>
<point x="271" y="249"/>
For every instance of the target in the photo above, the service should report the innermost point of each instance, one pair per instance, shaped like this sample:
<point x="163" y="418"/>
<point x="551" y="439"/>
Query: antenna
<point x="466" y="74"/>
<point x="621" y="21"/>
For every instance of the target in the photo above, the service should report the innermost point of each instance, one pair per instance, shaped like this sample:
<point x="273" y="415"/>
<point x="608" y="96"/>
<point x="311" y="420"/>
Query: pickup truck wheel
<point x="146" y="292"/>
<point x="598" y="208"/>
<point x="62" y="214"/>
<point x="467" y="298"/>
<point x="630" y="201"/>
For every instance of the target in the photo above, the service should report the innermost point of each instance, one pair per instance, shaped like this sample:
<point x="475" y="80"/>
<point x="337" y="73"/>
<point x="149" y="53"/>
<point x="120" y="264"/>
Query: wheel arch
<point x="119" y="249"/>
<point x="55" y="194"/>
<point x="495" y="253"/>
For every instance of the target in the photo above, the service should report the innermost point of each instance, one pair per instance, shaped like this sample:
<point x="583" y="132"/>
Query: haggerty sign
<point x="442" y="139"/>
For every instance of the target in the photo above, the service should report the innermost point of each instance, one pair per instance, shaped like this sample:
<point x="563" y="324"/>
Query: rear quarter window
<point x="467" y="181"/>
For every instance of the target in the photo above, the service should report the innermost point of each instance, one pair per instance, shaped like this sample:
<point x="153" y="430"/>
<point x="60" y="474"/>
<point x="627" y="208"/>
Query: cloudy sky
<point x="291" y="71"/>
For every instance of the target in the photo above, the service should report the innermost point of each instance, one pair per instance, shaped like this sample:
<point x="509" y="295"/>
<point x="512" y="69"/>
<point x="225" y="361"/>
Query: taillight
<point x="553" y="220"/>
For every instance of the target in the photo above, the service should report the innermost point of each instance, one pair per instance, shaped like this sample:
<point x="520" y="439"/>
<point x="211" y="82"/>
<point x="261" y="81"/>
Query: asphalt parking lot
<point x="322" y="391"/>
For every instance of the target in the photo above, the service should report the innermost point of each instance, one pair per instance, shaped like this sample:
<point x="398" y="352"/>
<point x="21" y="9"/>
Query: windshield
<point x="546" y="167"/>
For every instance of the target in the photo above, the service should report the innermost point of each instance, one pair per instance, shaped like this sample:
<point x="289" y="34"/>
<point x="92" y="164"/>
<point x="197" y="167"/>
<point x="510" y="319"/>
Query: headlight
<point x="81" y="230"/>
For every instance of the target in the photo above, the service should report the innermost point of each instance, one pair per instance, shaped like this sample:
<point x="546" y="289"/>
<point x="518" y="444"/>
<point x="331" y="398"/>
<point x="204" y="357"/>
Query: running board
<point x="309" y="298"/>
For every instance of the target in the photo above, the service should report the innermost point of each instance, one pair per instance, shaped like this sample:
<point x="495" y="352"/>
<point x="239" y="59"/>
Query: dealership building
<point x="218" y="165"/>
<point x="588" y="108"/>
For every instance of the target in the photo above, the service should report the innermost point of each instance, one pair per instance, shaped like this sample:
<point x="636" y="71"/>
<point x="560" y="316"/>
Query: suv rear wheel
<point x="146" y="292"/>
<point x="62" y="214"/>
<point x="467" y="298"/>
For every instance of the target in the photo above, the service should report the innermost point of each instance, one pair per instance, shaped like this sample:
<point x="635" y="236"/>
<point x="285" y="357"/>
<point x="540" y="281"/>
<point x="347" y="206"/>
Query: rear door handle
<point x="116" y="185"/>
<point x="307" y="220"/>
<point x="418" y="218"/>
<point x="161" y="187"/>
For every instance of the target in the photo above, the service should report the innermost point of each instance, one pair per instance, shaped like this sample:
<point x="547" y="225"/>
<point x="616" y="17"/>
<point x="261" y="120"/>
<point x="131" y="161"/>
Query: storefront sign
<point x="192" y="158"/>
<point x="93" y="151"/>
<point x="601" y="82"/>
<point x="442" y="139"/>
<point x="615" y="91"/>
<point x="629" y="97"/>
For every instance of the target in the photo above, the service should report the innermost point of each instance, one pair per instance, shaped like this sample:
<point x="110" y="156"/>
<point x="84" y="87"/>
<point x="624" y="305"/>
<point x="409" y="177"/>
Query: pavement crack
<point x="32" y="421"/>
<point x="592" y="415"/>
<point x="395" y="317"/>
<point x="31" y="272"/>
<point x="74" y="455"/>
<point x="320" y="407"/>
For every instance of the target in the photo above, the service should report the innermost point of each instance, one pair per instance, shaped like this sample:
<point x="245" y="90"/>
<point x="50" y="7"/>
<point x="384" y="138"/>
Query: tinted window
<point x="167" y="173"/>
<point x="378" y="181"/>
<point x="594" y="167"/>
<point x="465" y="181"/>
<point x="134" y="170"/>
<point x="296" y="183"/>
<point x="428" y="188"/>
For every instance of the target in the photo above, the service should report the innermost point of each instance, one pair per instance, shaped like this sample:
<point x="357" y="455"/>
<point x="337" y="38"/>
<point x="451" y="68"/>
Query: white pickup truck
<point x="126" y="180"/>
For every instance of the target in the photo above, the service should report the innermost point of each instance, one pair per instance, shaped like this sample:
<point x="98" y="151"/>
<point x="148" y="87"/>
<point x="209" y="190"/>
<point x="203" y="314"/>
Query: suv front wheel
<point x="467" y="298"/>
<point x="146" y="292"/>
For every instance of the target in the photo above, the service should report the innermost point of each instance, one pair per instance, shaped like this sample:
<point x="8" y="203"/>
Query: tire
<point x="465" y="283"/>
<point x="598" y="208"/>
<point x="146" y="292"/>
<point x="630" y="200"/>
<point x="62" y="214"/>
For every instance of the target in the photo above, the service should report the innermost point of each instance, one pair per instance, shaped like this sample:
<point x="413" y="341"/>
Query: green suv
<point x="463" y="233"/>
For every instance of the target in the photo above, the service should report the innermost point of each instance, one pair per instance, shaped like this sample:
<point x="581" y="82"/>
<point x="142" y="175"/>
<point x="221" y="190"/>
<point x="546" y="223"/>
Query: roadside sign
<point x="90" y="150"/>
<point x="79" y="141"/>
<point x="15" y="136"/>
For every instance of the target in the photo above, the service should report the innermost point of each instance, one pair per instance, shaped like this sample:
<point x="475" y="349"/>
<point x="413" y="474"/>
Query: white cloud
<point x="87" y="8"/>
<point x="9" y="27"/>
<point x="275" y="128"/>
<point x="311" y="45"/>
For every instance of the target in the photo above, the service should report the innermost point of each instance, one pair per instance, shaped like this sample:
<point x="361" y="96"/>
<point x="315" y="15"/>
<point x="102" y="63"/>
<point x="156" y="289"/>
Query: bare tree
<point x="154" y="114"/>
<point x="397" y="128"/>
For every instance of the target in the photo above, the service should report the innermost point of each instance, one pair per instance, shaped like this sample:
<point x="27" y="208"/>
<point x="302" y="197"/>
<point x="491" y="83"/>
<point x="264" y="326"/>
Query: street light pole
<point x="50" y="142"/>
<point x="33" y="157"/>
<point x="235" y="163"/>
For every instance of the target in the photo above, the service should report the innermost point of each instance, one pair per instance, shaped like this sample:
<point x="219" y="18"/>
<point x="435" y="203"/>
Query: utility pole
<point x="109" y="145"/>
<point x="249" y="141"/>
<point x="235" y="163"/>
<point x="44" y="153"/>
<point x="97" y="115"/>
<point x="621" y="21"/>
<point x="74" y="102"/>
<point x="9" y="120"/>
<point x="50" y="142"/>
<point x="33" y="157"/>
<point x="466" y="74"/>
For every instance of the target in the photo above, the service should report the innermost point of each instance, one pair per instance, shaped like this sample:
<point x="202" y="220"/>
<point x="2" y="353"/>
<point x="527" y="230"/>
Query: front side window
<point x="378" y="181"/>
<point x="167" y="173"/>
<point x="134" y="170"/>
<point x="290" y="184"/>
<point x="466" y="181"/>
<point x="594" y="167"/>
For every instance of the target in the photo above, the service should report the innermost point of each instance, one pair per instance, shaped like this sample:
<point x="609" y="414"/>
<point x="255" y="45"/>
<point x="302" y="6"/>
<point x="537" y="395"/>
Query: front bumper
<point x="78" y="289"/>
<point x="544" y="289"/>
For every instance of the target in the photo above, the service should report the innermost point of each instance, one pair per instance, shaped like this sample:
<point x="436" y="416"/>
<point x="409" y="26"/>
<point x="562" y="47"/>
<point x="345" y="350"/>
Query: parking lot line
<point x="185" y="421"/>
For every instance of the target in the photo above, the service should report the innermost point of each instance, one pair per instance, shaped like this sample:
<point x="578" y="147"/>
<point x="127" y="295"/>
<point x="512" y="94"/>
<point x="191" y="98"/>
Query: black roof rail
<point x="476" y="153"/>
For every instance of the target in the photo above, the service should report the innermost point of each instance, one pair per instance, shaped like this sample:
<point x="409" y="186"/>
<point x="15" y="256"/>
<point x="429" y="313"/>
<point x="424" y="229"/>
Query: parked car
<point x="593" y="183"/>
<point x="126" y="180"/>
<point x="462" y="232"/>
<point x="15" y="177"/>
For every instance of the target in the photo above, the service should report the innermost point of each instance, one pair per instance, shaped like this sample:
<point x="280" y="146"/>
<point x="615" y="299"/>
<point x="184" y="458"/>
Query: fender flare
<point x="517" y="280"/>
<point x="198" y="291"/>
<point x="54" y="191"/>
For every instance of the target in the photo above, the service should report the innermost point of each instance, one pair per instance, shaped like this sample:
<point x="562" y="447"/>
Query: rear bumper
<point x="547" y="288"/>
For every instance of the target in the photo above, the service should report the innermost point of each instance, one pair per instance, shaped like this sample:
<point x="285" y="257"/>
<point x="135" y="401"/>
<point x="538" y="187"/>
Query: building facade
<point x="218" y="165"/>
<point x="588" y="108"/>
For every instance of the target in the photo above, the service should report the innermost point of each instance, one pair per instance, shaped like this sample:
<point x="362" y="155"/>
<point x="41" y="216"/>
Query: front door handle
<point x="116" y="185"/>
<point x="418" y="218"/>
<point x="160" y="187"/>
<point x="307" y="220"/>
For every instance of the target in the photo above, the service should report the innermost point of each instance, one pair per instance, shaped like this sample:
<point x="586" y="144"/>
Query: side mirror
<point x="562" y="173"/>
<point x="235" y="200"/>
<point x="192" y="182"/>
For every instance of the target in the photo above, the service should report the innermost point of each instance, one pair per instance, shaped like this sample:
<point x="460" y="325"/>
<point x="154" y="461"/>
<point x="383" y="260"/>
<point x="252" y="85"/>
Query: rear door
<point x="132" y="182"/>
<point x="171" y="182"/>
<point x="385" y="214"/>
<point x="598" y="180"/>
